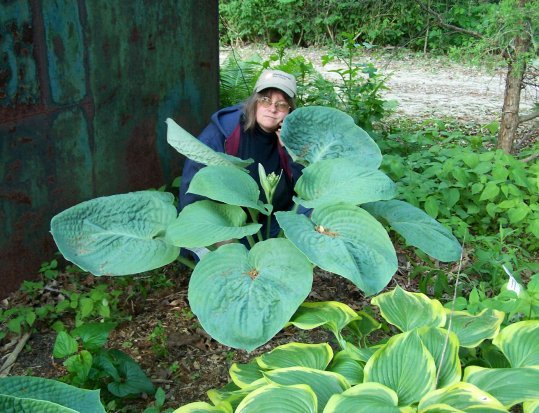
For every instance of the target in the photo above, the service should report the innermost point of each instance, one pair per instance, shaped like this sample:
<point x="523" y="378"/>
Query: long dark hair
<point x="249" y="107"/>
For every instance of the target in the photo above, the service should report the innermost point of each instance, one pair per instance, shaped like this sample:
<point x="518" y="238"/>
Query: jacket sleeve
<point x="212" y="137"/>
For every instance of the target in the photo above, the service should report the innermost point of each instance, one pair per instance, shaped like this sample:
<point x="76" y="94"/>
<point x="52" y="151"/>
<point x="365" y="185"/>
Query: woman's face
<point x="270" y="118"/>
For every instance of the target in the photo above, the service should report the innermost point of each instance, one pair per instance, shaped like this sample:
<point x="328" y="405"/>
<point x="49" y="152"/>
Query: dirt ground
<point x="191" y="363"/>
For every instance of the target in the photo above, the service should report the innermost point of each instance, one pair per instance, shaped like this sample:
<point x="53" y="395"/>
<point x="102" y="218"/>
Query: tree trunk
<point x="513" y="86"/>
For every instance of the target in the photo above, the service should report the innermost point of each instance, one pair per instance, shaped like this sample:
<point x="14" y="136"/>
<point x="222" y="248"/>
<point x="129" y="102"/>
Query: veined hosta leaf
<point x="444" y="347"/>
<point x="243" y="298"/>
<point x="314" y="133"/>
<point x="204" y="223"/>
<point x="117" y="234"/>
<point x="473" y="329"/>
<point x="364" y="324"/>
<point x="323" y="383"/>
<point x="362" y="354"/>
<point x="406" y="310"/>
<point x="531" y="407"/>
<point x="192" y="148"/>
<point x="462" y="396"/>
<point x="342" y="180"/>
<point x="243" y="375"/>
<point x="233" y="395"/>
<point x="366" y="398"/>
<point x="345" y="240"/>
<point x="283" y="399"/>
<point x="510" y="385"/>
<point x="520" y="343"/>
<point x="331" y="314"/>
<point x="418" y="228"/>
<point x="228" y="185"/>
<point x="346" y="365"/>
<point x="405" y="365"/>
<point x="315" y="356"/>
<point x="42" y="393"/>
<point x="203" y="407"/>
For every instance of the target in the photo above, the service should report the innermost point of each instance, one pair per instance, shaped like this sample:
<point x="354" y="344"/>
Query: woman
<point x="252" y="130"/>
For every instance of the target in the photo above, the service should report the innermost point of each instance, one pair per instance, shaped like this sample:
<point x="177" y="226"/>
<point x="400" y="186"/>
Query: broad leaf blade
<point x="243" y="298"/>
<point x="283" y="399"/>
<point x="462" y="396"/>
<point x="364" y="398"/>
<point x="405" y="365"/>
<point x="202" y="407"/>
<point x="117" y="234"/>
<point x="408" y="311"/>
<point x="473" y="329"/>
<point x="192" y="148"/>
<point x="204" y="223"/>
<point x="345" y="240"/>
<point x="342" y="180"/>
<point x="418" y="228"/>
<point x="315" y="356"/>
<point x="243" y="375"/>
<point x="315" y="133"/>
<point x="347" y="366"/>
<point x="519" y="342"/>
<point x="228" y="185"/>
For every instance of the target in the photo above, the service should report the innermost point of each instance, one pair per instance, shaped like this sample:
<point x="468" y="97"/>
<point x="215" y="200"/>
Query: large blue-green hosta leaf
<point x="192" y="148"/>
<point x="36" y="394"/>
<point x="314" y="133"/>
<point x="342" y="180"/>
<point x="345" y="240"/>
<point x="204" y="223"/>
<point x="229" y="185"/>
<point x="520" y="343"/>
<point x="243" y="298"/>
<point x="418" y="228"/>
<point x="117" y="234"/>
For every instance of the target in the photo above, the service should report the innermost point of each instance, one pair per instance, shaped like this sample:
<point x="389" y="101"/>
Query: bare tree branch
<point x="528" y="117"/>
<point x="443" y="23"/>
<point x="531" y="157"/>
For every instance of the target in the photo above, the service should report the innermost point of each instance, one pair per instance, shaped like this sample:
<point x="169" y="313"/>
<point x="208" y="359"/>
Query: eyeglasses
<point x="280" y="105"/>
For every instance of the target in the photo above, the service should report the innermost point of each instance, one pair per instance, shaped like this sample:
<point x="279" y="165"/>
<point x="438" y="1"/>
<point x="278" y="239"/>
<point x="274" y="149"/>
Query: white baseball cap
<point x="277" y="79"/>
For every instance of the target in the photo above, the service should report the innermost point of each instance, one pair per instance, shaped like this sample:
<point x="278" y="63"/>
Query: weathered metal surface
<point x="85" y="88"/>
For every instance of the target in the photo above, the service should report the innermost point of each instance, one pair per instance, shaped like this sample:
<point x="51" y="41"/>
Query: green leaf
<point x="202" y="407"/>
<point x="94" y="335"/>
<point x="342" y="180"/>
<point x="283" y="399"/>
<point x="323" y="383"/>
<point x="118" y="234"/>
<point x="408" y="311"/>
<point x="510" y="385"/>
<point x="228" y="185"/>
<point x="347" y="366"/>
<point x="134" y="380"/>
<point x="519" y="343"/>
<point x="243" y="298"/>
<point x="345" y="240"/>
<point x="243" y="375"/>
<point x="315" y="356"/>
<point x="417" y="228"/>
<point x="64" y="346"/>
<point x="365" y="398"/>
<point x="29" y="391"/>
<point x="80" y="365"/>
<point x="473" y="329"/>
<point x="86" y="307"/>
<point x="431" y="206"/>
<point x="315" y="133"/>
<point x="405" y="365"/>
<point x="490" y="192"/>
<point x="464" y="397"/>
<point x="192" y="148"/>
<point x="531" y="407"/>
<point x="204" y="223"/>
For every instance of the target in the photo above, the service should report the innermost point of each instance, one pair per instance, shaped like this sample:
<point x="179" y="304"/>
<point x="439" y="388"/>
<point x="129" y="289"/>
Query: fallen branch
<point x="8" y="364"/>
<point x="528" y="117"/>
<point x="443" y="23"/>
<point x="530" y="158"/>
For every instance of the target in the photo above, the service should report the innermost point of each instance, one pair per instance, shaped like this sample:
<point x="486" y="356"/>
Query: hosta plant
<point x="418" y="369"/>
<point x="244" y="296"/>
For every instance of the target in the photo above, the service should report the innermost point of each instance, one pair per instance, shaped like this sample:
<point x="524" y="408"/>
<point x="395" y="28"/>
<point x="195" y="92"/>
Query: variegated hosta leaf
<point x="405" y="365"/>
<point x="362" y="354"/>
<point x="342" y="180"/>
<point x="228" y="185"/>
<point x="206" y="222"/>
<point x="462" y="396"/>
<point x="510" y="385"/>
<point x="315" y="133"/>
<point x="118" y="234"/>
<point x="192" y="148"/>
<point x="232" y="395"/>
<point x="243" y="375"/>
<point x="418" y="228"/>
<point x="444" y="347"/>
<point x="203" y="407"/>
<point x="531" y="407"/>
<point x="347" y="366"/>
<point x="473" y="329"/>
<point x="364" y="325"/>
<point x="407" y="310"/>
<point x="345" y="240"/>
<point x="365" y="398"/>
<point x="36" y="394"/>
<point x="283" y="399"/>
<point x="243" y="298"/>
<point x="315" y="356"/>
<point x="323" y="383"/>
<point x="331" y="314"/>
<point x="520" y="343"/>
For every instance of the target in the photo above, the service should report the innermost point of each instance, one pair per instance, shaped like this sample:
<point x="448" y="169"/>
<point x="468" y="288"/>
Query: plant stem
<point x="268" y="227"/>
<point x="187" y="262"/>
<point x="251" y="241"/>
<point x="254" y="218"/>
